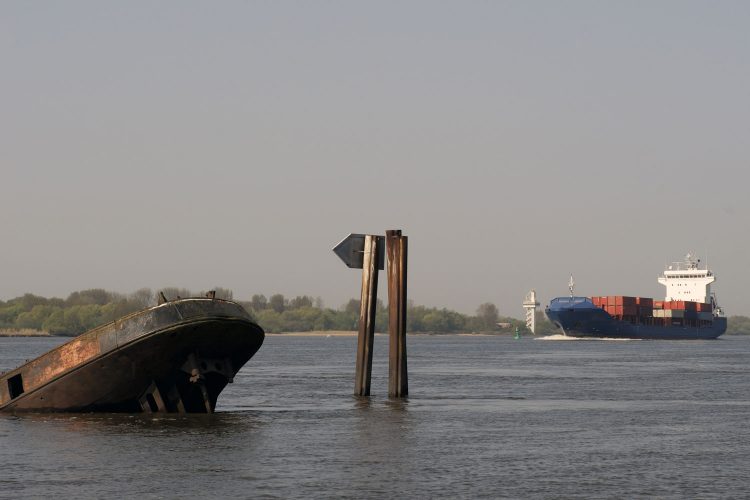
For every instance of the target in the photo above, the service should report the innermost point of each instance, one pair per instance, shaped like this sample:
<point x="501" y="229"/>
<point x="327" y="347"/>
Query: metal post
<point x="367" y="316"/>
<point x="396" y="247"/>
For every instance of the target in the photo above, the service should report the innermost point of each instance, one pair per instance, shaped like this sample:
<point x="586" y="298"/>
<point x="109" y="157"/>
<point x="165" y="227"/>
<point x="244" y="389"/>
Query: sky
<point x="233" y="144"/>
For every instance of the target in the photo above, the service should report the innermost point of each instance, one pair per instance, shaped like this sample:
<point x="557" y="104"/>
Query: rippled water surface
<point x="487" y="417"/>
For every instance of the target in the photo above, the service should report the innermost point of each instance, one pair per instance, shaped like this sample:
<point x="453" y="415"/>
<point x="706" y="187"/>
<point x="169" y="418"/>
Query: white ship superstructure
<point x="686" y="281"/>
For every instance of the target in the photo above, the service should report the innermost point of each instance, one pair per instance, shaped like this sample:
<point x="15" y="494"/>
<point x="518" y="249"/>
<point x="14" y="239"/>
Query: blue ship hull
<point x="579" y="317"/>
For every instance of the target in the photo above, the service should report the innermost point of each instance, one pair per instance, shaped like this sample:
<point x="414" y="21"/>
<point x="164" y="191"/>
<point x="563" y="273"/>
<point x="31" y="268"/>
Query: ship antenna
<point x="571" y="285"/>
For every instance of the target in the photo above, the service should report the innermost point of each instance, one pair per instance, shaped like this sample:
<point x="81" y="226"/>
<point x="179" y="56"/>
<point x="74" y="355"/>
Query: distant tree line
<point x="304" y="313"/>
<point x="87" y="309"/>
<point x="738" y="325"/>
<point x="81" y="311"/>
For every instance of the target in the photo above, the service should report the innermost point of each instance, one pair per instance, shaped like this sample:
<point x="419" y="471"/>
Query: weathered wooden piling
<point x="397" y="253"/>
<point x="367" y="252"/>
<point x="369" y="297"/>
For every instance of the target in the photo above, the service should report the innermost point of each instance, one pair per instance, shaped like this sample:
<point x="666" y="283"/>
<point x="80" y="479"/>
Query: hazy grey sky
<point x="197" y="144"/>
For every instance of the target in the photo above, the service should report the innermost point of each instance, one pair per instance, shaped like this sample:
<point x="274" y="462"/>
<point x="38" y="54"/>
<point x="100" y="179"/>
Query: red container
<point x="611" y="300"/>
<point x="658" y="304"/>
<point x="677" y="304"/>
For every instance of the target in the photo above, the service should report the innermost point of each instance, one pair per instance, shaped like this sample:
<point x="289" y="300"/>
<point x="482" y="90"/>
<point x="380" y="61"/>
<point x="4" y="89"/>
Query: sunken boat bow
<point x="175" y="357"/>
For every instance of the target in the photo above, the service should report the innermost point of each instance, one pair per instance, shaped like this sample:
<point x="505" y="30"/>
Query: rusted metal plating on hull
<point x="175" y="357"/>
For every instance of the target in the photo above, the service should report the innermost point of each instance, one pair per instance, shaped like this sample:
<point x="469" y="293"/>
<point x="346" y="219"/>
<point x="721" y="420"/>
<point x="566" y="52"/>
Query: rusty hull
<point x="175" y="357"/>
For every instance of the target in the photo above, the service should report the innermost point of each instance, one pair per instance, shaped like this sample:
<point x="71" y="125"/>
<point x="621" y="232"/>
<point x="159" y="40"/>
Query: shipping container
<point x="658" y="304"/>
<point x="645" y="311"/>
<point x="622" y="300"/>
<point x="629" y="310"/>
<point x="644" y="301"/>
<point x="674" y="313"/>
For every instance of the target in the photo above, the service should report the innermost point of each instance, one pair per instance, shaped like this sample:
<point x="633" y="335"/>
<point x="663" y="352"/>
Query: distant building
<point x="530" y="304"/>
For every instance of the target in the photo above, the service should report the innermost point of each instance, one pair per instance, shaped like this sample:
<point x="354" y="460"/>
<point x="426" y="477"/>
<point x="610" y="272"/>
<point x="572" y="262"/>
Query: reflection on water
<point x="486" y="416"/>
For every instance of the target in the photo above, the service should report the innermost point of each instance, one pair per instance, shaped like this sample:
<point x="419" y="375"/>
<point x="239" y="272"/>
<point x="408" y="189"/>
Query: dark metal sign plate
<point x="352" y="248"/>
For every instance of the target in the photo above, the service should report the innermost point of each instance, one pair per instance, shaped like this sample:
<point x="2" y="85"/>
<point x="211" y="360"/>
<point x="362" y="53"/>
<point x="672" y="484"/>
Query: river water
<point x="488" y="417"/>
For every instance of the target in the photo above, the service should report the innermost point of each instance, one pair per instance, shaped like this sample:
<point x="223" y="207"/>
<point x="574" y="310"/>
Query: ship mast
<point x="571" y="285"/>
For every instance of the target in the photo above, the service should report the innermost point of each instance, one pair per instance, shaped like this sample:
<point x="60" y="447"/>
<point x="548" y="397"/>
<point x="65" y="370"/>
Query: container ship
<point x="688" y="311"/>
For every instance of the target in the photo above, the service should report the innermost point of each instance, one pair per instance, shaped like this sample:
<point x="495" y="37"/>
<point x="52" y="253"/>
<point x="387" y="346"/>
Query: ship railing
<point x="569" y="301"/>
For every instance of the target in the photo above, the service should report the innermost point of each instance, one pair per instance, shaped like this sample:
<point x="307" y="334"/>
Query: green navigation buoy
<point x="517" y="335"/>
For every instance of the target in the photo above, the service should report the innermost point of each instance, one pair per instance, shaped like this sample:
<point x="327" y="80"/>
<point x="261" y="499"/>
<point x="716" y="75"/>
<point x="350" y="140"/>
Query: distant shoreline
<point x="28" y="332"/>
<point x="24" y="332"/>
<point x="351" y="333"/>
<point x="318" y="333"/>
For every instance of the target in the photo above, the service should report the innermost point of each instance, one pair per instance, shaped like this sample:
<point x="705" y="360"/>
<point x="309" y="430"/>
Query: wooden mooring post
<point x="367" y="311"/>
<point x="366" y="252"/>
<point x="397" y="253"/>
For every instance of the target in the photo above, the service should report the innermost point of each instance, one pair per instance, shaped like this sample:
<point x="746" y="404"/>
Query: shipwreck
<point x="175" y="357"/>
